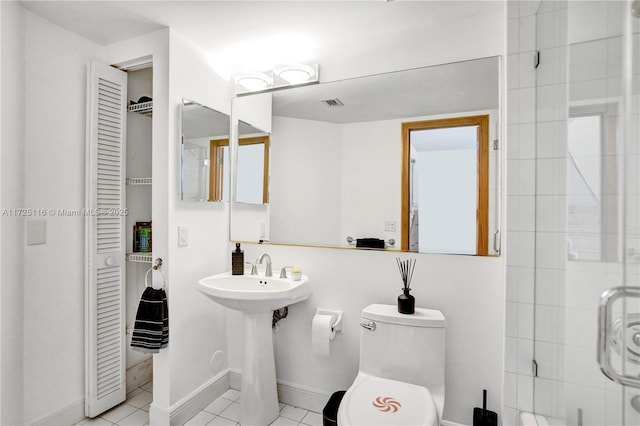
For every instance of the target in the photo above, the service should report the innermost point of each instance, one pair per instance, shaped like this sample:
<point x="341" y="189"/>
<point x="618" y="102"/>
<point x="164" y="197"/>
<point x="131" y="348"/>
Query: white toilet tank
<point x="408" y="348"/>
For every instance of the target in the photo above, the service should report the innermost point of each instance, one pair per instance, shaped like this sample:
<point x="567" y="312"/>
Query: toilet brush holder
<point x="406" y="302"/>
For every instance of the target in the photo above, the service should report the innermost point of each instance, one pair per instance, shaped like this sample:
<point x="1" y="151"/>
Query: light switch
<point x="36" y="232"/>
<point x="183" y="236"/>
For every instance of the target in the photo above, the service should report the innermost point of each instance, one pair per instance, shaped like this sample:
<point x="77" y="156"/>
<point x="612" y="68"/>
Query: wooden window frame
<point x="482" y="211"/>
<point x="217" y="167"/>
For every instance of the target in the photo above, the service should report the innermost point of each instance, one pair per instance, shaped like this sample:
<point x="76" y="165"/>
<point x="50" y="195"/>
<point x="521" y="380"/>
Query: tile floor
<point x="224" y="411"/>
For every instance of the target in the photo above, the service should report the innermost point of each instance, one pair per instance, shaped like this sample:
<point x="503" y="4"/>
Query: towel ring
<point x="146" y="277"/>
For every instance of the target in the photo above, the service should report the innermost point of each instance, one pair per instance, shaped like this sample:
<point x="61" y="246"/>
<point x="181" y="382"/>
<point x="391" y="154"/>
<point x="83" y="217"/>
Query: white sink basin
<point x="254" y="293"/>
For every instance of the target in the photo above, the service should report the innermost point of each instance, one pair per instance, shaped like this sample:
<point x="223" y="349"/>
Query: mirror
<point x="344" y="164"/>
<point x="204" y="153"/>
<point x="252" y="172"/>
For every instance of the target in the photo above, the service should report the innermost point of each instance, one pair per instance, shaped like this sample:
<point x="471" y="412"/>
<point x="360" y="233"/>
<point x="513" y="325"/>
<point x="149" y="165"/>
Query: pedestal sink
<point x="256" y="296"/>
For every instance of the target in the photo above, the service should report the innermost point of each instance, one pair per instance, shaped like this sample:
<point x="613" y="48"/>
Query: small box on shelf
<point x="142" y="237"/>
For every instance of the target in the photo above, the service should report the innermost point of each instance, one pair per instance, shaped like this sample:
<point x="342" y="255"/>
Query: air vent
<point x="335" y="102"/>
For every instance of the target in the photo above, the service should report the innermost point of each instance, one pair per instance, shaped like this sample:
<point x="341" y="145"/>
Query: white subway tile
<point x="525" y="393"/>
<point x="551" y="250"/>
<point x="510" y="354"/>
<point x="549" y="324"/>
<point x="526" y="289"/>
<point x="527" y="177"/>
<point x="549" y="287"/>
<point x="510" y="389"/>
<point x="552" y="102"/>
<point x="525" y="321"/>
<point x="553" y="66"/>
<point x="527" y="33"/>
<point x="511" y="319"/>
<point x="527" y="141"/>
<point x="513" y="201"/>
<point x="551" y="175"/>
<point x="513" y="71"/>
<point x="551" y="213"/>
<point x="528" y="105"/>
<point x="526" y="249"/>
<point x="550" y="358"/>
<point x="527" y="72"/>
<point x="525" y="357"/>
<point x="527" y="213"/>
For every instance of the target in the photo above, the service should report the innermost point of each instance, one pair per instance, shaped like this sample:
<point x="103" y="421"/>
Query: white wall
<point x="12" y="153"/>
<point x="469" y="290"/>
<point x="198" y="324"/>
<point x="55" y="132"/>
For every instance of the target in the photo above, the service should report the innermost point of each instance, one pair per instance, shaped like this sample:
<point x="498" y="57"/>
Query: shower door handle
<point x="605" y="336"/>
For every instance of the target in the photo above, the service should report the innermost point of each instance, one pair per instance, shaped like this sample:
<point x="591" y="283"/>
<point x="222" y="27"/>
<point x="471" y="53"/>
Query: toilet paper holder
<point x="336" y="322"/>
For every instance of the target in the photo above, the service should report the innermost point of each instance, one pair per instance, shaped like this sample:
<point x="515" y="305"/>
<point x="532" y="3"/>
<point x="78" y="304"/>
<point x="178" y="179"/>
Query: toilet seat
<point x="376" y="401"/>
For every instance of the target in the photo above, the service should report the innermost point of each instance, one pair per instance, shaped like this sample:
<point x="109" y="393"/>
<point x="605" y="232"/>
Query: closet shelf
<point x="144" y="108"/>
<point x="140" y="257"/>
<point x="139" y="181"/>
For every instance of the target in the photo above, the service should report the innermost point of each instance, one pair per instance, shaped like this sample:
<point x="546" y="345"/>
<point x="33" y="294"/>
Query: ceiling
<point x="241" y="31"/>
<point x="442" y="89"/>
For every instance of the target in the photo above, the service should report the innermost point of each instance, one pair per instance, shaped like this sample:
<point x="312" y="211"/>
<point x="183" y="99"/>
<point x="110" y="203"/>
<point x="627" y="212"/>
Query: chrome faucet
<point x="283" y="271"/>
<point x="267" y="271"/>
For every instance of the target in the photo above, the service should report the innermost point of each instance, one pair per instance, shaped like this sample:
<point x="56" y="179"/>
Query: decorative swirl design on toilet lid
<point x="387" y="404"/>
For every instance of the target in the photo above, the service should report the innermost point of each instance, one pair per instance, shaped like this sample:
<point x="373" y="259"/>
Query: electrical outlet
<point x="390" y="226"/>
<point x="183" y="236"/>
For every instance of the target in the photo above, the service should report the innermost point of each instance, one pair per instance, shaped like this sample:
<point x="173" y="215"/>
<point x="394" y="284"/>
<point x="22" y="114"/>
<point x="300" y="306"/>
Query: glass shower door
<point x="587" y="92"/>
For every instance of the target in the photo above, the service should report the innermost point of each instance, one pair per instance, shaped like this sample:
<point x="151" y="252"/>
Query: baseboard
<point x="302" y="396"/>
<point x="235" y="379"/>
<point x="194" y="402"/>
<point x="448" y="423"/>
<point x="290" y="393"/>
<point x="69" y="415"/>
<point x="139" y="374"/>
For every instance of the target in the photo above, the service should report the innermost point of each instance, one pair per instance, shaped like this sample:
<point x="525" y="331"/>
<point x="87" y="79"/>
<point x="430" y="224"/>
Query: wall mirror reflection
<point x="341" y="170"/>
<point x="205" y="153"/>
<point x="252" y="172"/>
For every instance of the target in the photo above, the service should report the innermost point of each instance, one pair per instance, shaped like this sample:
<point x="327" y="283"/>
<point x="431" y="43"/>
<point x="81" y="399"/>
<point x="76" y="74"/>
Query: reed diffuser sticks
<point x="406" y="268"/>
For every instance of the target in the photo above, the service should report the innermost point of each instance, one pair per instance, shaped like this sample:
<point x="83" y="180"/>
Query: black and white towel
<point x="151" y="329"/>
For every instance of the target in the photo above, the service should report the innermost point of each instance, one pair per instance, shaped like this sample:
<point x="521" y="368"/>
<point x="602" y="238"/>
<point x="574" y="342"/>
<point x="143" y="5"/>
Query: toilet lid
<point x="377" y="401"/>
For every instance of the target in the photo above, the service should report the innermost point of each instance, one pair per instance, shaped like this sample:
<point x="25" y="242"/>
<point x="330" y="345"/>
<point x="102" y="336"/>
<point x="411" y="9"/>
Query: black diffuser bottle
<point x="406" y="302"/>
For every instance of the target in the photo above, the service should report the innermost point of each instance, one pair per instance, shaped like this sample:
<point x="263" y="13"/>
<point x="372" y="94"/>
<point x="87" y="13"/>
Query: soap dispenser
<point x="237" y="261"/>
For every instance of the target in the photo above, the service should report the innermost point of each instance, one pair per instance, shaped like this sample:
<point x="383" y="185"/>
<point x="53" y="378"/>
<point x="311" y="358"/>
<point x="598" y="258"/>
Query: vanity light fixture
<point x="254" y="81"/>
<point x="278" y="77"/>
<point x="295" y="73"/>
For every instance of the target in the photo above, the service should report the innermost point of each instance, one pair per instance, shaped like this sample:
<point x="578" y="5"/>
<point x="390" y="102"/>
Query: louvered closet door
<point x="105" y="240"/>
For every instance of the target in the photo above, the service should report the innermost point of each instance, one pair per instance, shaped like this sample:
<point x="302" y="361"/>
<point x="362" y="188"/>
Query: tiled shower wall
<point x="536" y="205"/>
<point x="551" y="302"/>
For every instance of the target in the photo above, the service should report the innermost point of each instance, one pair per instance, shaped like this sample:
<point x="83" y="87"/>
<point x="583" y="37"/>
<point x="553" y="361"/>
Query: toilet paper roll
<point x="322" y="334"/>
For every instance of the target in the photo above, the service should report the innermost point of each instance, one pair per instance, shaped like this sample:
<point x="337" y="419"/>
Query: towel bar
<point x="156" y="266"/>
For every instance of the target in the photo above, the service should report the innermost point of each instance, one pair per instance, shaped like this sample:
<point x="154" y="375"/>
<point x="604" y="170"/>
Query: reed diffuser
<point x="406" y="302"/>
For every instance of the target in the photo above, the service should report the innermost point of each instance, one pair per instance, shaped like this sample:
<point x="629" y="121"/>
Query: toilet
<point x="401" y="375"/>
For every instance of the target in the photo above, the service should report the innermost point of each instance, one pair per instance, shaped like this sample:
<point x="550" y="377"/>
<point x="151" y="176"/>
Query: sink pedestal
<point x="259" y="396"/>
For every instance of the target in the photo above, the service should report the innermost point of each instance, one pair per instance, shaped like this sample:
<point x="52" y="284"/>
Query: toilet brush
<point x="482" y="416"/>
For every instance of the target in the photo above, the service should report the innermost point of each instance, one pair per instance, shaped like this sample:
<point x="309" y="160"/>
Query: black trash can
<point x="330" y="411"/>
